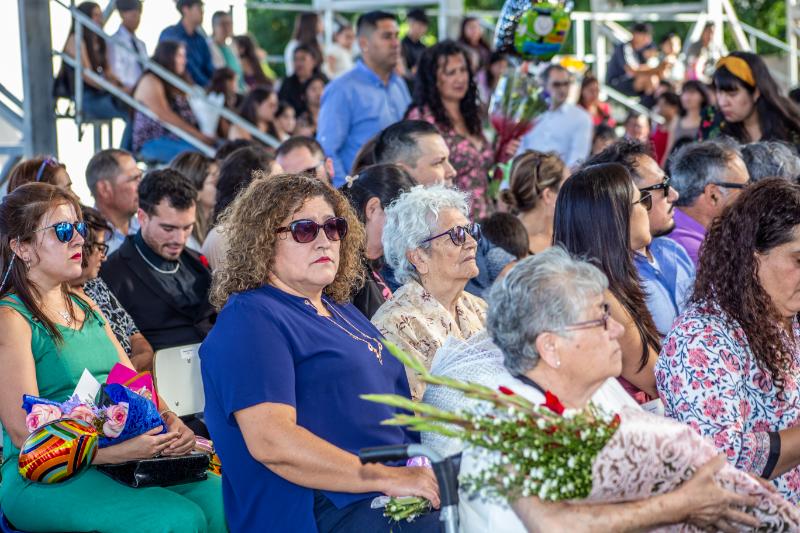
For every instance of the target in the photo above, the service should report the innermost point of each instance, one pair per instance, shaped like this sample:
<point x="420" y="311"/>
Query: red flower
<point x="552" y="402"/>
<point x="204" y="261"/>
<point x="615" y="422"/>
<point x="506" y="391"/>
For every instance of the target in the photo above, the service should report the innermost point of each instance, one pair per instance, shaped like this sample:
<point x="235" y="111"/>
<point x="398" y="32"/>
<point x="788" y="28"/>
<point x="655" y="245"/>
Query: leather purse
<point x="160" y="471"/>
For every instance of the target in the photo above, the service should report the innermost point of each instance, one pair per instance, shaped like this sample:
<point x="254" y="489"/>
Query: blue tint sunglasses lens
<point x="66" y="230"/>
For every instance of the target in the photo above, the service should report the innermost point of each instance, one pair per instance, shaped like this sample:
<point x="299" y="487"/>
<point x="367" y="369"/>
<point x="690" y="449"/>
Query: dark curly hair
<point x="426" y="95"/>
<point x="593" y="220"/>
<point x="765" y="216"/>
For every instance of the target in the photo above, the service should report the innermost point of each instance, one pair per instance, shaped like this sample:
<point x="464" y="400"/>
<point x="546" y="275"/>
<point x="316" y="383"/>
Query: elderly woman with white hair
<point x="431" y="245"/>
<point x="550" y="323"/>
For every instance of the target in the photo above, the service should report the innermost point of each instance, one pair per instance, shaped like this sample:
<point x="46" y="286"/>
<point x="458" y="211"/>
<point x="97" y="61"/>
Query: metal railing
<point x="82" y="22"/>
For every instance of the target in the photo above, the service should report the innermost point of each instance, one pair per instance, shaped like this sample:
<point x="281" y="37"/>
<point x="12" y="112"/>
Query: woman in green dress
<point x="49" y="336"/>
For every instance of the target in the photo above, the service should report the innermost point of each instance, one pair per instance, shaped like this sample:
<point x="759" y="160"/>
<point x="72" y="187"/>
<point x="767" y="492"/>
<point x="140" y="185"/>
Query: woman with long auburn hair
<point x="50" y="335"/>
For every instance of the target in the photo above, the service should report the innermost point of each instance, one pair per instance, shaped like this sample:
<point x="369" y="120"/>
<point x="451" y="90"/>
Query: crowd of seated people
<point x="656" y="272"/>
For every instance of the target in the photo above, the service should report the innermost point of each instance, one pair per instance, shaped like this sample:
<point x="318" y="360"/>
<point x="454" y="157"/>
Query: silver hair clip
<point x="349" y="180"/>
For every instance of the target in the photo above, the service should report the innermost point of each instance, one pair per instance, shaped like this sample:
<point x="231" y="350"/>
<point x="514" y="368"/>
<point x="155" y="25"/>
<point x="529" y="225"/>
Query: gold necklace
<point x="378" y="352"/>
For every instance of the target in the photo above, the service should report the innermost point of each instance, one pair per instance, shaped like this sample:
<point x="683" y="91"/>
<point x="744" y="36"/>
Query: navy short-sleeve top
<point x="271" y="346"/>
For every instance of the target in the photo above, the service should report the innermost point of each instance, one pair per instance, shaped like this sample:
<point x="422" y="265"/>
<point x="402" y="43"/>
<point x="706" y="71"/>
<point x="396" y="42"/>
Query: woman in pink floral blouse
<point x="730" y="367"/>
<point x="445" y="94"/>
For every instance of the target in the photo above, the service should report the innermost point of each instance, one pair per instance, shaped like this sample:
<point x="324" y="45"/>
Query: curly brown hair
<point x="250" y="223"/>
<point x="765" y="216"/>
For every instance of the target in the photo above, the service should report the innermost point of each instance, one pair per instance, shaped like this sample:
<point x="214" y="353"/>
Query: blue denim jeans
<point x="163" y="149"/>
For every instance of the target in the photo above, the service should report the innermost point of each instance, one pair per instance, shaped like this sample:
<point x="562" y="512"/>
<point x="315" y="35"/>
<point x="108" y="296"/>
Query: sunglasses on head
<point x="65" y="231"/>
<point x="646" y="200"/>
<point x="305" y="231"/>
<point x="48" y="162"/>
<point x="458" y="234"/>
<point x="663" y="186"/>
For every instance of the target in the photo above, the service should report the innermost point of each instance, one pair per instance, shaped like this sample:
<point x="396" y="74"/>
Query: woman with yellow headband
<point x="750" y="106"/>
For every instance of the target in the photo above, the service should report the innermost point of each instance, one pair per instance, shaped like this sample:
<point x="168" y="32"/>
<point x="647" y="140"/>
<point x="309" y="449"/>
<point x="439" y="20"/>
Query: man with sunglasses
<point x="565" y="128"/>
<point x="304" y="154"/>
<point x="708" y="175"/>
<point x="163" y="285"/>
<point x="666" y="271"/>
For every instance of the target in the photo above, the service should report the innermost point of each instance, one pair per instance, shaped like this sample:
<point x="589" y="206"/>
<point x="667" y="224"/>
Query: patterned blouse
<point x="146" y="129"/>
<point x="707" y="377"/>
<point x="418" y="324"/>
<point x="472" y="164"/>
<point x="118" y="318"/>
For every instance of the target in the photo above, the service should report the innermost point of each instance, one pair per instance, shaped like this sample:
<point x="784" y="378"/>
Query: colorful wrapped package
<point x="142" y="415"/>
<point x="58" y="451"/>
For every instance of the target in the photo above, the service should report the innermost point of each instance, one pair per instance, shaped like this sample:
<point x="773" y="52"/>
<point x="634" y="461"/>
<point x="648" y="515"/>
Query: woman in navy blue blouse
<point x="285" y="364"/>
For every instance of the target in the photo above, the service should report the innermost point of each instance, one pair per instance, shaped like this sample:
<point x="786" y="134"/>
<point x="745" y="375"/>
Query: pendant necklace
<point x="377" y="352"/>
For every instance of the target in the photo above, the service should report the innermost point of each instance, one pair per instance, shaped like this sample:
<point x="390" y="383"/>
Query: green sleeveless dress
<point x="92" y="501"/>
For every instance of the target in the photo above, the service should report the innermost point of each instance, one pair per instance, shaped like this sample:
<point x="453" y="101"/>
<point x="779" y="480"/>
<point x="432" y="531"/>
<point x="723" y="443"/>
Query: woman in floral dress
<point x="731" y="364"/>
<point x="445" y="94"/>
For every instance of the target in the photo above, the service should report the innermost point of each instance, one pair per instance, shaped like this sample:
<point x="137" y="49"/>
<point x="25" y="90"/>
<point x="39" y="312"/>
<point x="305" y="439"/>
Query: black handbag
<point x="160" y="471"/>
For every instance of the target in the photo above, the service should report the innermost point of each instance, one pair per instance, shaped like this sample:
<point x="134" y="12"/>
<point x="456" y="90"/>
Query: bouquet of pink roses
<point x="117" y="415"/>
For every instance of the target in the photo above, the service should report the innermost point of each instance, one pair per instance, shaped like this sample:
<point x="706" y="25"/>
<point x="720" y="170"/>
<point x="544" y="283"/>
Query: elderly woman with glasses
<point x="549" y="329"/>
<point x="91" y="285"/>
<point x="285" y="364"/>
<point x="730" y="367"/>
<point x="431" y="245"/>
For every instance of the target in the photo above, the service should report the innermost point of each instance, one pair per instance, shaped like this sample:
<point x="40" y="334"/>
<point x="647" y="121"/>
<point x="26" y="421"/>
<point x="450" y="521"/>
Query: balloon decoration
<point x="530" y="30"/>
<point x="57" y="451"/>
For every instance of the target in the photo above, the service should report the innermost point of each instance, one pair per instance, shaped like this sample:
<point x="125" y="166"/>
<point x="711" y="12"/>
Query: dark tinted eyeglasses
<point x="458" y="234"/>
<point x="561" y="83"/>
<point x="65" y="231"/>
<point x="603" y="321"/>
<point x="646" y="200"/>
<point x="729" y="184"/>
<point x="48" y="162"/>
<point x="305" y="231"/>
<point x="664" y="186"/>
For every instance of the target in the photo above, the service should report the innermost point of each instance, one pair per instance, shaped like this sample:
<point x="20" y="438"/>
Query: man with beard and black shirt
<point x="665" y="269"/>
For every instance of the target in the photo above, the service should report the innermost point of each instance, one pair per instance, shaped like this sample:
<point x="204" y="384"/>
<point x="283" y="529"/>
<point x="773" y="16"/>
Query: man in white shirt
<point x="565" y="128"/>
<point x="122" y="59"/>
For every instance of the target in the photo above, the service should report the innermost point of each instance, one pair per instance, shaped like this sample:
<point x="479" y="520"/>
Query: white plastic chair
<point x="176" y="372"/>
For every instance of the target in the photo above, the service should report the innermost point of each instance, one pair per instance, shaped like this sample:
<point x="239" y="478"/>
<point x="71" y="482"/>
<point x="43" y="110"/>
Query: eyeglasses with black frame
<point x="99" y="246"/>
<point x="65" y="231"/>
<point x="305" y="230"/>
<point x="603" y="321"/>
<point x="458" y="234"/>
<point x="646" y="200"/>
<point x="729" y="184"/>
<point x="664" y="186"/>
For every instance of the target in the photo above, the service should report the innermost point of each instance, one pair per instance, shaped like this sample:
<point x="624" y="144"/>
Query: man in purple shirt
<point x="708" y="175"/>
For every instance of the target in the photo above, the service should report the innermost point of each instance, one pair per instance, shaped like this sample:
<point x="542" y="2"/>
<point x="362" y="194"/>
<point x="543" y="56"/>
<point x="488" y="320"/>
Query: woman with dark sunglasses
<point x="285" y="364"/>
<point x="602" y="216"/>
<point x="431" y="245"/>
<point x="92" y="286"/>
<point x="49" y="336"/>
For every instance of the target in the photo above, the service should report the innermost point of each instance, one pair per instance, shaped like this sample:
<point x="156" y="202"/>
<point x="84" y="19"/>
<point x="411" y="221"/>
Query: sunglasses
<point x="664" y="186"/>
<point x="48" y="162"/>
<point x="305" y="231"/>
<point x="603" y="321"/>
<point x="646" y="200"/>
<point x="65" y="231"/>
<point x="458" y="234"/>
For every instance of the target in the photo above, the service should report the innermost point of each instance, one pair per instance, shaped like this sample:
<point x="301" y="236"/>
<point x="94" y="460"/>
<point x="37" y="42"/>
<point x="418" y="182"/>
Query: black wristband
<point x="774" y="454"/>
